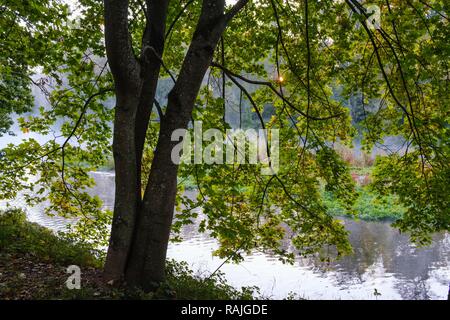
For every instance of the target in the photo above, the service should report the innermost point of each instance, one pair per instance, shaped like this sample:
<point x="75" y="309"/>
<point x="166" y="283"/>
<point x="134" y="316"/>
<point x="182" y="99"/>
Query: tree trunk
<point x="146" y="266"/>
<point x="126" y="199"/>
<point x="141" y="227"/>
<point x="135" y="87"/>
<point x="125" y="70"/>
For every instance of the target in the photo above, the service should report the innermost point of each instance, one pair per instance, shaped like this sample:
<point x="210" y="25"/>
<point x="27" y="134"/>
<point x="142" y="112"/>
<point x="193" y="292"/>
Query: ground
<point x="34" y="260"/>
<point x="24" y="277"/>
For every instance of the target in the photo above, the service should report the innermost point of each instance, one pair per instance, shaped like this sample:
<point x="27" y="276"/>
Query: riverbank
<point x="368" y="206"/>
<point x="34" y="260"/>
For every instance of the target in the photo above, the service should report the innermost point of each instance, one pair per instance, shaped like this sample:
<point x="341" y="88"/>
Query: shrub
<point x="17" y="235"/>
<point x="182" y="281"/>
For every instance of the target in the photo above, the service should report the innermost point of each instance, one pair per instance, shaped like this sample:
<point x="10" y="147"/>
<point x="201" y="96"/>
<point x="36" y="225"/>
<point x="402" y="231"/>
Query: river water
<point x="384" y="260"/>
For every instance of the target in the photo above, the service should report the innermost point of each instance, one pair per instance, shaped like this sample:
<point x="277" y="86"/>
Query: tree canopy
<point x="294" y="56"/>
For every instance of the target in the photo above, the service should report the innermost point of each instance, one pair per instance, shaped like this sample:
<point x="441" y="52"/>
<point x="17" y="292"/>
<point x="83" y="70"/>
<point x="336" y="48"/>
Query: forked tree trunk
<point x="148" y="254"/>
<point x="135" y="86"/>
<point x="141" y="227"/>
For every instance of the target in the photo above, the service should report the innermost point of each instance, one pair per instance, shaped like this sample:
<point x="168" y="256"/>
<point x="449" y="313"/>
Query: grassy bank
<point x="367" y="207"/>
<point x="34" y="260"/>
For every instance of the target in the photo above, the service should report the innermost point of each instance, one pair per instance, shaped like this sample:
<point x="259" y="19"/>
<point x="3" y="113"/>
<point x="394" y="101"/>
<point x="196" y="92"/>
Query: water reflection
<point x="383" y="259"/>
<point x="378" y="245"/>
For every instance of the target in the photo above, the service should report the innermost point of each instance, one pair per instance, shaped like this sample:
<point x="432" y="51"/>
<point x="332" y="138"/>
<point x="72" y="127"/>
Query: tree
<point x="23" y="30"/>
<point x="204" y="47"/>
<point x="141" y="227"/>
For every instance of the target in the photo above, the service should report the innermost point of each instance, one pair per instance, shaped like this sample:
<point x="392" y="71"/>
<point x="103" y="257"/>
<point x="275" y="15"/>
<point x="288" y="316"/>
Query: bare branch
<point x="178" y="16"/>
<point x="157" y="56"/>
<point x="274" y="90"/>
<point x="159" y="109"/>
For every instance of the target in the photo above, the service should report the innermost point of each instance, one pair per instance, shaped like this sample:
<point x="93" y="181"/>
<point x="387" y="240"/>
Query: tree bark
<point x="125" y="70"/>
<point x="151" y="53"/>
<point x="141" y="227"/>
<point x="148" y="255"/>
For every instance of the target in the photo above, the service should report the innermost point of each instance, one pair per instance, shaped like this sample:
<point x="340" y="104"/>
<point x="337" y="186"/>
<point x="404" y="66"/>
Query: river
<point x="384" y="260"/>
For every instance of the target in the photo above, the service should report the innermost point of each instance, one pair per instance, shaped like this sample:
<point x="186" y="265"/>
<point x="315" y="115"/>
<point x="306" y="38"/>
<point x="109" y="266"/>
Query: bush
<point x="182" y="281"/>
<point x="17" y="235"/>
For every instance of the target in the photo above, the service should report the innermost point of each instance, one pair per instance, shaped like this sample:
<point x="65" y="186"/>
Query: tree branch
<point x="178" y="16"/>
<point x="274" y="90"/>
<point x="124" y="65"/>
<point x="235" y="9"/>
